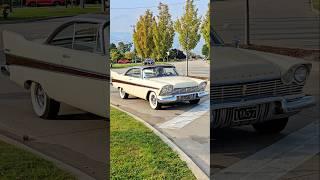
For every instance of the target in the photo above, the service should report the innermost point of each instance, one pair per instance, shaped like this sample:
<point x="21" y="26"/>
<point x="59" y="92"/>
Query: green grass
<point x="19" y="164"/>
<point x="316" y="4"/>
<point x="44" y="12"/>
<point x="119" y="66"/>
<point x="137" y="153"/>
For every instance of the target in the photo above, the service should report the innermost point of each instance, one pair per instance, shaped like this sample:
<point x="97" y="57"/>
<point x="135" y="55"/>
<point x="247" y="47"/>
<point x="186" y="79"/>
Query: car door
<point x="133" y="82"/>
<point x="85" y="81"/>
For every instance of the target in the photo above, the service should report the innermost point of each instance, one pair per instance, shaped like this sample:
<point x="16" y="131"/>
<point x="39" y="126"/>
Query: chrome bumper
<point x="175" y="98"/>
<point x="289" y="104"/>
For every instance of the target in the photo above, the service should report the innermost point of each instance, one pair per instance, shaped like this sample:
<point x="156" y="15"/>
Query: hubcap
<point x="153" y="100"/>
<point x="40" y="96"/>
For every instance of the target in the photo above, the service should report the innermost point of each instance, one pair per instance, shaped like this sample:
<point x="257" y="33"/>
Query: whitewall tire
<point x="123" y="94"/>
<point x="43" y="105"/>
<point x="153" y="101"/>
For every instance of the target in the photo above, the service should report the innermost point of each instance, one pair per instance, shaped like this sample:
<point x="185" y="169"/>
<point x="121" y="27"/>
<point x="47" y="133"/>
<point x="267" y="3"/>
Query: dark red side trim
<point x="27" y="62"/>
<point x="134" y="84"/>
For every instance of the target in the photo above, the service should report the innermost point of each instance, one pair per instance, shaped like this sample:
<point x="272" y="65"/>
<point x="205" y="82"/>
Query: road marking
<point x="187" y="117"/>
<point x="278" y="159"/>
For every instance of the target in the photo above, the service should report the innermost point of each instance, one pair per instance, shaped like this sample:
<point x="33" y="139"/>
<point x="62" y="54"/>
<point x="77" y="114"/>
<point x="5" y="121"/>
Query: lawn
<point x="316" y="4"/>
<point x="119" y="66"/>
<point x="44" y="12"/>
<point x="19" y="164"/>
<point x="137" y="153"/>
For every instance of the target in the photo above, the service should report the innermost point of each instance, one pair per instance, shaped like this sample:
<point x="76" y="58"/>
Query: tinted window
<point x="134" y="73"/>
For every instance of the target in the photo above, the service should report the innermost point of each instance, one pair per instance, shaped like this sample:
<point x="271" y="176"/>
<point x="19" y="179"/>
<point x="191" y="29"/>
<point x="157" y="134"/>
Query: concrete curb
<point x="32" y="20"/>
<point x="74" y="171"/>
<point x="196" y="170"/>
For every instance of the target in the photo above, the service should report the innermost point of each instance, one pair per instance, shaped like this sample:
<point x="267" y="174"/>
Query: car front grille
<point x="253" y="90"/>
<point x="185" y="90"/>
<point x="226" y="117"/>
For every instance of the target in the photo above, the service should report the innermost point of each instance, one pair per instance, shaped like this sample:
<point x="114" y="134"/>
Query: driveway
<point x="285" y="23"/>
<point x="188" y="126"/>
<point x="75" y="137"/>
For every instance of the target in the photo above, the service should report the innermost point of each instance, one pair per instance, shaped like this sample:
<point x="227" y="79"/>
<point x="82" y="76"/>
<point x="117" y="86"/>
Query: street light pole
<point x="187" y="52"/>
<point x="247" y="23"/>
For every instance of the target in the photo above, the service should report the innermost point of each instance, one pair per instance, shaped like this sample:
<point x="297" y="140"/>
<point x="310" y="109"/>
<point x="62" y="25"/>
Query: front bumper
<point x="268" y="109"/>
<point x="176" y="98"/>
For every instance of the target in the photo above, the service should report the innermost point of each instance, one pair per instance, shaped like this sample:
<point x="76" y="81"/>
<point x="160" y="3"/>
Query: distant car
<point x="44" y="2"/>
<point x="70" y="66"/>
<point x="160" y="84"/>
<point x="124" y="61"/>
<point x="148" y="62"/>
<point x="256" y="88"/>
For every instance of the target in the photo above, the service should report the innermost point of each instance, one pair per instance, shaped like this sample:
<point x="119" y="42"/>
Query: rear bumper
<point x="175" y="98"/>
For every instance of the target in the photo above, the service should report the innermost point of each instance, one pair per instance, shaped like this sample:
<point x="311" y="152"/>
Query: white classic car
<point x="256" y="88"/>
<point x="159" y="84"/>
<point x="70" y="66"/>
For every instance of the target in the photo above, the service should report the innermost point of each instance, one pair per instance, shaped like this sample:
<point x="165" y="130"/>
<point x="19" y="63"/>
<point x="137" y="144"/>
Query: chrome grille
<point x="225" y="117"/>
<point x="226" y="93"/>
<point x="185" y="90"/>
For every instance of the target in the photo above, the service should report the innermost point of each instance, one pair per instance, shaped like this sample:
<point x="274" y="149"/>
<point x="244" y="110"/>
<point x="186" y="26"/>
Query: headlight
<point x="202" y="86"/>
<point x="300" y="74"/>
<point x="166" y="90"/>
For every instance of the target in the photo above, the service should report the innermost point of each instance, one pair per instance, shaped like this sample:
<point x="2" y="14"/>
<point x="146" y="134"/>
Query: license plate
<point x="245" y="114"/>
<point x="187" y="97"/>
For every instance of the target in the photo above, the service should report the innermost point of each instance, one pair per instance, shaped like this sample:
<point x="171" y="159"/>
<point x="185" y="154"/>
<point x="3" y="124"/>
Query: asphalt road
<point x="76" y="138"/>
<point x="241" y="152"/>
<point x="285" y="23"/>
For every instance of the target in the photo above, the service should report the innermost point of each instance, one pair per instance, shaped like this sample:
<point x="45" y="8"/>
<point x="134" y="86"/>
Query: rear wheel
<point x="153" y="101"/>
<point x="271" y="127"/>
<point x="43" y="105"/>
<point x="123" y="94"/>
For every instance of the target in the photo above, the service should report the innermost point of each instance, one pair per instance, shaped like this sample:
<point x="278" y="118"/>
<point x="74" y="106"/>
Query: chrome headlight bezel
<point x="202" y="86"/>
<point x="290" y="76"/>
<point x="166" y="90"/>
<point x="298" y="79"/>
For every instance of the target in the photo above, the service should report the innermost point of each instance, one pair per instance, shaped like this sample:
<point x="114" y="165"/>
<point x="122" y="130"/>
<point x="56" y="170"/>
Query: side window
<point x="79" y="36"/>
<point x="134" y="73"/>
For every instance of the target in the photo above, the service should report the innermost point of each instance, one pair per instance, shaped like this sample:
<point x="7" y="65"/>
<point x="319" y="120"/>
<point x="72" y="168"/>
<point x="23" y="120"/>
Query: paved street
<point x="76" y="138"/>
<point x="186" y="125"/>
<point x="285" y="23"/>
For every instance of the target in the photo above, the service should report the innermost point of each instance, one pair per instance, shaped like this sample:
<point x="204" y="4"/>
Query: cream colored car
<point x="160" y="84"/>
<point x="70" y="66"/>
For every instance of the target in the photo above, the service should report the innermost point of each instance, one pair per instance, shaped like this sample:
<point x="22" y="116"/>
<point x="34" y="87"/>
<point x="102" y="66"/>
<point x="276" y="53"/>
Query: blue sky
<point x="125" y="13"/>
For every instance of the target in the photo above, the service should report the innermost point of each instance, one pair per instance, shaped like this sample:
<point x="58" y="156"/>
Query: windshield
<point x="217" y="41"/>
<point x="159" y="71"/>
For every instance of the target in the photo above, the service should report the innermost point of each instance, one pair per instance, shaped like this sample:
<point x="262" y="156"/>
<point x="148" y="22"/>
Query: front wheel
<point x="271" y="127"/>
<point x="43" y="105"/>
<point x="195" y="101"/>
<point x="153" y="101"/>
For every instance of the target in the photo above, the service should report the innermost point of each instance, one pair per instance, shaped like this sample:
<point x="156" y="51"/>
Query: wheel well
<point x="148" y="95"/>
<point x="27" y="84"/>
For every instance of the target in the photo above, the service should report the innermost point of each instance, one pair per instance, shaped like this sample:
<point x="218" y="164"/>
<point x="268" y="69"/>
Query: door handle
<point x="65" y="56"/>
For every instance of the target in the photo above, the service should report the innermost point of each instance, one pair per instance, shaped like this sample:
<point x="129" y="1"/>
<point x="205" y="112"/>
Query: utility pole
<point x="247" y="24"/>
<point x="187" y="53"/>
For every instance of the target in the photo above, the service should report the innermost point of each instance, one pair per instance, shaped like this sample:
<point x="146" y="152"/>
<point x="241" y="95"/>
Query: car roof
<point x="98" y="18"/>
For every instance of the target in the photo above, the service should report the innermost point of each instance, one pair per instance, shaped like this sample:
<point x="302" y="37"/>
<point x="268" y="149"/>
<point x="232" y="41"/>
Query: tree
<point x="115" y="55"/>
<point x="176" y="54"/>
<point x="129" y="55"/>
<point x="123" y="47"/>
<point x="205" y="50"/>
<point x="143" y="35"/>
<point x="188" y="28"/>
<point x="163" y="32"/>
<point x="205" y="31"/>
<point x="112" y="46"/>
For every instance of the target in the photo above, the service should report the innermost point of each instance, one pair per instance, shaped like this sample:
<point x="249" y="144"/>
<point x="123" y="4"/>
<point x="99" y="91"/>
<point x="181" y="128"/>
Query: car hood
<point x="232" y="65"/>
<point x="177" y="81"/>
